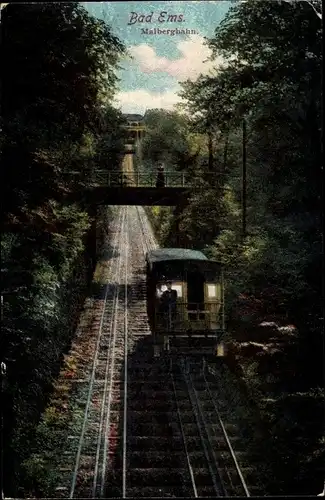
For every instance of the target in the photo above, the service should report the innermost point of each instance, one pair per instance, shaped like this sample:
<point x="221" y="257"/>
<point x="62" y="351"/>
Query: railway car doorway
<point x="195" y="291"/>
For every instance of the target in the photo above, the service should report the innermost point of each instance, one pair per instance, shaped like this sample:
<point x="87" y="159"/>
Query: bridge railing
<point x="141" y="179"/>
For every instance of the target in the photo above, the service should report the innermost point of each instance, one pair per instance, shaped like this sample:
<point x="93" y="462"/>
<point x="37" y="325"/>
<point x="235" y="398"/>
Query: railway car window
<point x="212" y="291"/>
<point x="179" y="290"/>
<point x="220" y="350"/>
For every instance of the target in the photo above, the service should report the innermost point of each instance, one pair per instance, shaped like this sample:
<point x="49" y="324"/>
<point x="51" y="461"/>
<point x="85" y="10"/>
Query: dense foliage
<point x="58" y="81"/>
<point x="166" y="139"/>
<point x="271" y="83"/>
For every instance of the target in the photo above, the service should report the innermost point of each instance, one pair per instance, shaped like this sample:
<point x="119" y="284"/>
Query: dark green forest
<point x="58" y="123"/>
<point x="58" y="81"/>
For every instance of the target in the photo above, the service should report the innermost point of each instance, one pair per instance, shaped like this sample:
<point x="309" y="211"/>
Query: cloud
<point x="189" y="65"/>
<point x="192" y="62"/>
<point x="137" y="101"/>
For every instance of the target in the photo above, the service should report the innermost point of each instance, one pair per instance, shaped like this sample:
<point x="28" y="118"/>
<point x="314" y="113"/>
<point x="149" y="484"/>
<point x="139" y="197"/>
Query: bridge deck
<point x="102" y="195"/>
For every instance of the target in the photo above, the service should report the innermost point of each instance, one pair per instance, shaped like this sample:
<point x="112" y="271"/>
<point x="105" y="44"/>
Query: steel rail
<point x="108" y="414"/>
<point x="223" y="491"/>
<point x="146" y="244"/>
<point x="242" y="480"/>
<point x="102" y="418"/>
<point x="112" y="331"/>
<point x="125" y="320"/>
<point x="197" y="412"/>
<point x="190" y="469"/>
<point x="225" y="469"/>
<point x="125" y="363"/>
<point x="90" y="389"/>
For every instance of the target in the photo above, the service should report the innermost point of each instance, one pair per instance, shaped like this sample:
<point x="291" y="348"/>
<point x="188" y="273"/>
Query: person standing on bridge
<point x="160" y="176"/>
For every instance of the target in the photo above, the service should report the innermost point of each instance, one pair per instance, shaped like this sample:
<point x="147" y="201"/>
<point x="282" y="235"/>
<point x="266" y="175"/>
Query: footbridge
<point x="138" y="187"/>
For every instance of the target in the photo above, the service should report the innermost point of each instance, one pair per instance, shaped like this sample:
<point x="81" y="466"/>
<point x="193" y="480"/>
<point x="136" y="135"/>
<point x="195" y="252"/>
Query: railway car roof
<point x="163" y="254"/>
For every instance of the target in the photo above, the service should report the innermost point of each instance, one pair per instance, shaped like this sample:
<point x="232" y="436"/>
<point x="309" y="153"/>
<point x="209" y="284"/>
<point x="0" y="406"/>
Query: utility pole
<point x="210" y="148"/>
<point x="209" y="125"/>
<point x="244" y="178"/>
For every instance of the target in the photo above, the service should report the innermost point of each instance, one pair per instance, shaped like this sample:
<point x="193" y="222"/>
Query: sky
<point x="157" y="62"/>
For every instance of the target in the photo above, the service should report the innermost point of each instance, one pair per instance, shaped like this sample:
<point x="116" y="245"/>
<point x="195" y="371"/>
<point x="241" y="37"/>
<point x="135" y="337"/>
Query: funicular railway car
<point x="185" y="302"/>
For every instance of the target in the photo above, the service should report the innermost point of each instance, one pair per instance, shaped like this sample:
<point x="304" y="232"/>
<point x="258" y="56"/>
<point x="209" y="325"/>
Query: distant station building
<point x="135" y="126"/>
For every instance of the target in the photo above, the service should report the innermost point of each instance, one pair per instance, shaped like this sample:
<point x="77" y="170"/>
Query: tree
<point x="52" y="98"/>
<point x="165" y="139"/>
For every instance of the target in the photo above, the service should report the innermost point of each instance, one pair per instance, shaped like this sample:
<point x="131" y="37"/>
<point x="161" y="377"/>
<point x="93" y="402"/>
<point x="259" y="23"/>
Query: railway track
<point x="148" y="428"/>
<point x="211" y="460"/>
<point x="91" y="442"/>
<point x="94" y="442"/>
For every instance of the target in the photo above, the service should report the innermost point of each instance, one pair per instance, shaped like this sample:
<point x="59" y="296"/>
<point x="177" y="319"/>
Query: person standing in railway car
<point x="160" y="176"/>
<point x="159" y="292"/>
<point x="169" y="303"/>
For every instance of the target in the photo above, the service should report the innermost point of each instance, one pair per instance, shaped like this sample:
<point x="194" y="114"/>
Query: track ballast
<point x="149" y="427"/>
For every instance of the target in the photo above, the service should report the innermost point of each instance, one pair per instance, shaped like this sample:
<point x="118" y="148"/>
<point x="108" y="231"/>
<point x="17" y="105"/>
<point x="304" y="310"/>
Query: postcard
<point x="161" y="302"/>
